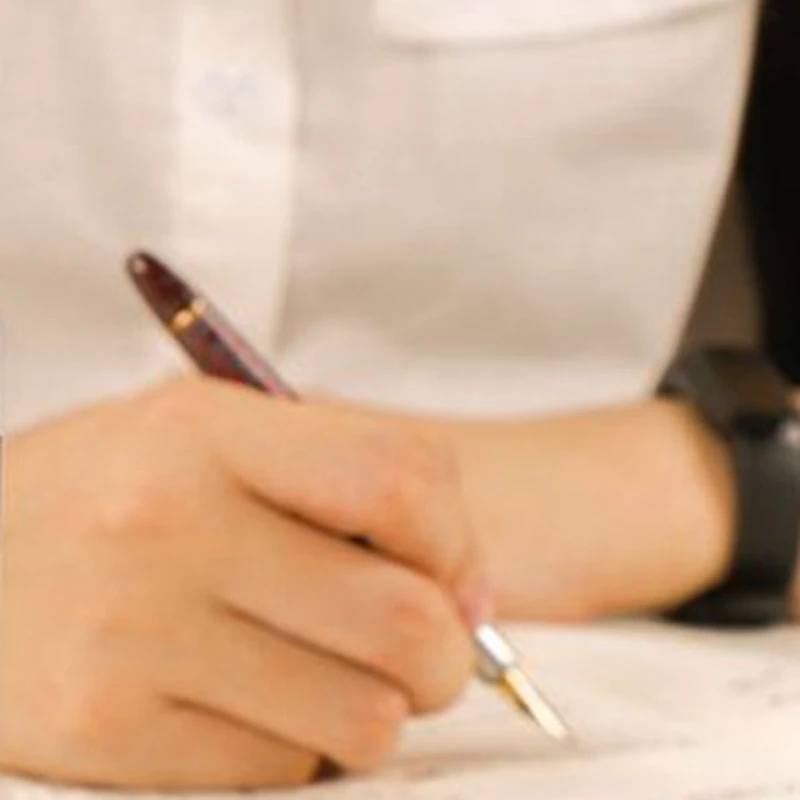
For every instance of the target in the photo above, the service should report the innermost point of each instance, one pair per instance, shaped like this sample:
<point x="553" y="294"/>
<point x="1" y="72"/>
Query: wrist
<point x="704" y="476"/>
<point x="600" y="513"/>
<point x="684" y="483"/>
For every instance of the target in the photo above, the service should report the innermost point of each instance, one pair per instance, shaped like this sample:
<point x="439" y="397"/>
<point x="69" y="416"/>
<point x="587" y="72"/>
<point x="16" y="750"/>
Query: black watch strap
<point x="750" y="406"/>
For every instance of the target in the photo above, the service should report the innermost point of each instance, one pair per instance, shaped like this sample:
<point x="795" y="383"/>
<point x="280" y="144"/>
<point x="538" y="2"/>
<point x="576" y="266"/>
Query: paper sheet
<point x="663" y="713"/>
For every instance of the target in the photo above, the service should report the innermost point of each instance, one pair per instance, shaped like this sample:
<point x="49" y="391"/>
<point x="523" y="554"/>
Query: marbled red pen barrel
<point x="205" y="334"/>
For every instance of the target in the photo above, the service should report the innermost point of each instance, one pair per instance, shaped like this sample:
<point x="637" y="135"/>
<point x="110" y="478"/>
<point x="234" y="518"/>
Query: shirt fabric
<point x="483" y="207"/>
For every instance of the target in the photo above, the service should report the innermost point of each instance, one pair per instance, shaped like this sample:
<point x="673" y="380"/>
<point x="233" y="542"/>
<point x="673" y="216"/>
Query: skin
<point x="160" y="550"/>
<point x="181" y="608"/>
<point x="612" y="511"/>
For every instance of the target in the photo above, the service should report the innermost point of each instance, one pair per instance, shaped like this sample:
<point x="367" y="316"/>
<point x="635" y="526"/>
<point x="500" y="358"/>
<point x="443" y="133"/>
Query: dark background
<point x="770" y="178"/>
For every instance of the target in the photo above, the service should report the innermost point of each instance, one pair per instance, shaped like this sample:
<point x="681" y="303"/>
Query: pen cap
<point x="166" y="294"/>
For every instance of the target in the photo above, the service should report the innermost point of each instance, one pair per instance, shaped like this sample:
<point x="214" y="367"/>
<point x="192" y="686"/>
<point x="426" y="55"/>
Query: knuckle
<point x="142" y="490"/>
<point x="139" y="507"/>
<point x="175" y="404"/>
<point x="374" y="726"/>
<point x="134" y="509"/>
<point x="424" y="456"/>
<point x="417" y="615"/>
<point x="396" y="498"/>
<point x="385" y="470"/>
<point x="426" y="648"/>
<point x="407" y="470"/>
<point x="434" y="461"/>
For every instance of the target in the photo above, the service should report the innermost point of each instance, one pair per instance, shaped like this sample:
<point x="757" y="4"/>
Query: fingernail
<point x="476" y="602"/>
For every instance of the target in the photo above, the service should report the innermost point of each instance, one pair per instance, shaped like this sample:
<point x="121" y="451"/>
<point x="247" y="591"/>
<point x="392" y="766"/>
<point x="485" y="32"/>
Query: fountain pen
<point x="215" y="347"/>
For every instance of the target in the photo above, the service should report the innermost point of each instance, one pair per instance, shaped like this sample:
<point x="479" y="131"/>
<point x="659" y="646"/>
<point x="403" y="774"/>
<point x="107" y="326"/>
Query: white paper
<point x="663" y="713"/>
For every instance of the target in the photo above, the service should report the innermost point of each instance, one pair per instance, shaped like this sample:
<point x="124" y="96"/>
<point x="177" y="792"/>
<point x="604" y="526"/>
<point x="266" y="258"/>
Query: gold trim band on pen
<point x="188" y="316"/>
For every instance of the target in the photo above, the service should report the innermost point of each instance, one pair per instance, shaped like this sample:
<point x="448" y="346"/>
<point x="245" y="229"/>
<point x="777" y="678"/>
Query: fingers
<point x="274" y="685"/>
<point x="197" y="749"/>
<point x="341" y="599"/>
<point x="321" y="648"/>
<point x="184" y="747"/>
<point x="348" y="475"/>
<point x="124" y="735"/>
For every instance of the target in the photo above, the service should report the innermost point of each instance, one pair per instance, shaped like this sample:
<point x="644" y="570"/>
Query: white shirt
<point x="466" y="206"/>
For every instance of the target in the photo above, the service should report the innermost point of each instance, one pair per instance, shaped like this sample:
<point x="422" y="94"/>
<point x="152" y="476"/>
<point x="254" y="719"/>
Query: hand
<point x="181" y="609"/>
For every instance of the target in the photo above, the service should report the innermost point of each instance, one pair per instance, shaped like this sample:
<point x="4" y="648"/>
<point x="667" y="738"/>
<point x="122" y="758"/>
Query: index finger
<point x="347" y="474"/>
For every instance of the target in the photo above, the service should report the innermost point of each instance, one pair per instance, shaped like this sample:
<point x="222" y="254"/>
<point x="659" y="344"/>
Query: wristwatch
<point x="749" y="405"/>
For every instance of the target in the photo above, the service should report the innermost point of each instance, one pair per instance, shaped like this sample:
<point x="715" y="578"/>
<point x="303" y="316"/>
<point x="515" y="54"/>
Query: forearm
<point x="600" y="513"/>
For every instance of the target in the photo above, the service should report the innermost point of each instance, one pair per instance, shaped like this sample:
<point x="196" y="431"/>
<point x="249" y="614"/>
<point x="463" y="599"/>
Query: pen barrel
<point x="218" y="351"/>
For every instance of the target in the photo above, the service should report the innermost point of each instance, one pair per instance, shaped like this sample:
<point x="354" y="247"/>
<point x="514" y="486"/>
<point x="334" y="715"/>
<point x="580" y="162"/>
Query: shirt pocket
<point x="487" y="22"/>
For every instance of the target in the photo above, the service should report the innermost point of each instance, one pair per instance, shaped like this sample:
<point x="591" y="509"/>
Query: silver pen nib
<point x="530" y="699"/>
<point x="500" y="665"/>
